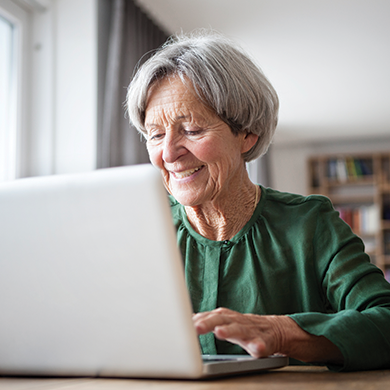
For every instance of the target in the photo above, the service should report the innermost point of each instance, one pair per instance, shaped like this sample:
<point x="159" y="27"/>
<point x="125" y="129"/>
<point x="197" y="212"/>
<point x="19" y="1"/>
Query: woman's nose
<point x="173" y="148"/>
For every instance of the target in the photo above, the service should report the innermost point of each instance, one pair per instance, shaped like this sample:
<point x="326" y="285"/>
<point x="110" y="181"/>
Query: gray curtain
<point x="132" y="37"/>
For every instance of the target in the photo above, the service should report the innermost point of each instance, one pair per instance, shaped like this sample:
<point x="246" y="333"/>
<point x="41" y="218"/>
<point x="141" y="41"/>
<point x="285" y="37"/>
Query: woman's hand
<point x="259" y="335"/>
<point x="262" y="336"/>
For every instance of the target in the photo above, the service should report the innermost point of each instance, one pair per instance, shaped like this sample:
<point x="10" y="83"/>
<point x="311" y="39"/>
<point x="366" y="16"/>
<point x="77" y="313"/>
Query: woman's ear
<point x="249" y="142"/>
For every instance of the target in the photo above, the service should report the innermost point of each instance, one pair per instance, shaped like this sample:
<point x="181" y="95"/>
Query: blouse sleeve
<point x="358" y="296"/>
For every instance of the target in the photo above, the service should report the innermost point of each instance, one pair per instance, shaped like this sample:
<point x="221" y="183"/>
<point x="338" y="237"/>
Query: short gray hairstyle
<point x="225" y="79"/>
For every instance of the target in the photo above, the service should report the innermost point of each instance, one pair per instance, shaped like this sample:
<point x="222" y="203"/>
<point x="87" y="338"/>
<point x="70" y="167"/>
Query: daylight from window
<point x="7" y="99"/>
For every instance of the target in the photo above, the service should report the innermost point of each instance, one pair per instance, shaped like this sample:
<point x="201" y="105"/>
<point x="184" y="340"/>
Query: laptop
<point x="92" y="281"/>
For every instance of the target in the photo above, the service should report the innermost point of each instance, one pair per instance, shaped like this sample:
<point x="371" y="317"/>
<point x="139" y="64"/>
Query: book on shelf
<point x="349" y="168"/>
<point x="362" y="219"/>
<point x="386" y="169"/>
<point x="386" y="242"/>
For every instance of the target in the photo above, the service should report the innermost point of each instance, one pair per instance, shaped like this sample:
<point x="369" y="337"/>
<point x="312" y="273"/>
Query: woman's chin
<point x="186" y="199"/>
<point x="185" y="195"/>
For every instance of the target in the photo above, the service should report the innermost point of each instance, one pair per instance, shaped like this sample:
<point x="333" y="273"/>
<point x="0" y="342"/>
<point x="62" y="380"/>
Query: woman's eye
<point x="155" y="137"/>
<point x="192" y="132"/>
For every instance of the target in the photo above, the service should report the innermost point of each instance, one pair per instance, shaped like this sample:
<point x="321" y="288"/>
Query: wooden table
<point x="287" y="378"/>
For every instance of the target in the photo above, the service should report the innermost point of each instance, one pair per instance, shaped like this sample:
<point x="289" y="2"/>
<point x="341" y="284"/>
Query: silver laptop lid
<point x="91" y="279"/>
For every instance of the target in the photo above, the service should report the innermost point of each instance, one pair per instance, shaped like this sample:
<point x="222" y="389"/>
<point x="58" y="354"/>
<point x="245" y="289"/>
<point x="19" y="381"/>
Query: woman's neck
<point x="222" y="218"/>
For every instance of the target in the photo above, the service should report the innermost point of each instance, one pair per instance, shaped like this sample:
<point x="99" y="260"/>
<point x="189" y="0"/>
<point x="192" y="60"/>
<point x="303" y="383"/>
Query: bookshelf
<point x="359" y="187"/>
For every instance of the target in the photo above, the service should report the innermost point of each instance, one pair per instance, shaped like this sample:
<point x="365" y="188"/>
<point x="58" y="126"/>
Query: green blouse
<point x="295" y="256"/>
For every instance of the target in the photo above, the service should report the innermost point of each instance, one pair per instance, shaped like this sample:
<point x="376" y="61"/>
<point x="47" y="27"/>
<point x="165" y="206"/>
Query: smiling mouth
<point x="189" y="172"/>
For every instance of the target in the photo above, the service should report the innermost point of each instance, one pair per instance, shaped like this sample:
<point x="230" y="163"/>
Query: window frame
<point x="7" y="102"/>
<point x="21" y="53"/>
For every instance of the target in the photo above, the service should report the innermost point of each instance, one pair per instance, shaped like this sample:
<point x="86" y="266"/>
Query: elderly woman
<point x="267" y="271"/>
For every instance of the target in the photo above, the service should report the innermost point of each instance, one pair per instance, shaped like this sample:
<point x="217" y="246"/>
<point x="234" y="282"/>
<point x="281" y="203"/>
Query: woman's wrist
<point x="295" y="342"/>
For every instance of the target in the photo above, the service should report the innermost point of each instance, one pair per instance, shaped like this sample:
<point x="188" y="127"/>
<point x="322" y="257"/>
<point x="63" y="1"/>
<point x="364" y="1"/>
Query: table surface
<point x="287" y="378"/>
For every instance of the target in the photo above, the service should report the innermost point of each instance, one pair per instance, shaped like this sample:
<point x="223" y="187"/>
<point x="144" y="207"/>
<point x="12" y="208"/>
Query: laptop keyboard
<point x="224" y="358"/>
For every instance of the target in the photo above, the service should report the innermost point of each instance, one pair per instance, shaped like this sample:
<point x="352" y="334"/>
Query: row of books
<point x="343" y="169"/>
<point x="362" y="219"/>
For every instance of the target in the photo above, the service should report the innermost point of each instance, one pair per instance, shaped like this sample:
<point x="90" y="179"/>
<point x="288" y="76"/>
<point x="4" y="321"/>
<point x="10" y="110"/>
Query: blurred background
<point x="65" y="66"/>
<point x="328" y="60"/>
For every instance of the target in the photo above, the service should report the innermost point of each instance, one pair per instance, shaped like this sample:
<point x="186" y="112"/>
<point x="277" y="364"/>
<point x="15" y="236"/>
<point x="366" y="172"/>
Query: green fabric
<point x="296" y="257"/>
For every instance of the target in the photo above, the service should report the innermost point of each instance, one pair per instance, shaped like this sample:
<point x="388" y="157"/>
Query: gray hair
<point x="224" y="78"/>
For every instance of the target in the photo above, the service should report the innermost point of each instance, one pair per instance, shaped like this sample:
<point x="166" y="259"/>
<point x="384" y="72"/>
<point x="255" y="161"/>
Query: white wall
<point x="288" y="162"/>
<point x="76" y="88"/>
<point x="288" y="167"/>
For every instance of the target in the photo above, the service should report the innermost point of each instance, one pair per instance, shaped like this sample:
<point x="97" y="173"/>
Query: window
<point x="8" y="119"/>
<point x="14" y="37"/>
<point x="48" y="77"/>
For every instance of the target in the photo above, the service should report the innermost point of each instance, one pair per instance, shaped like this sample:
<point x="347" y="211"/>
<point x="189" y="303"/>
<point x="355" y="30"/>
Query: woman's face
<point x="197" y="153"/>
